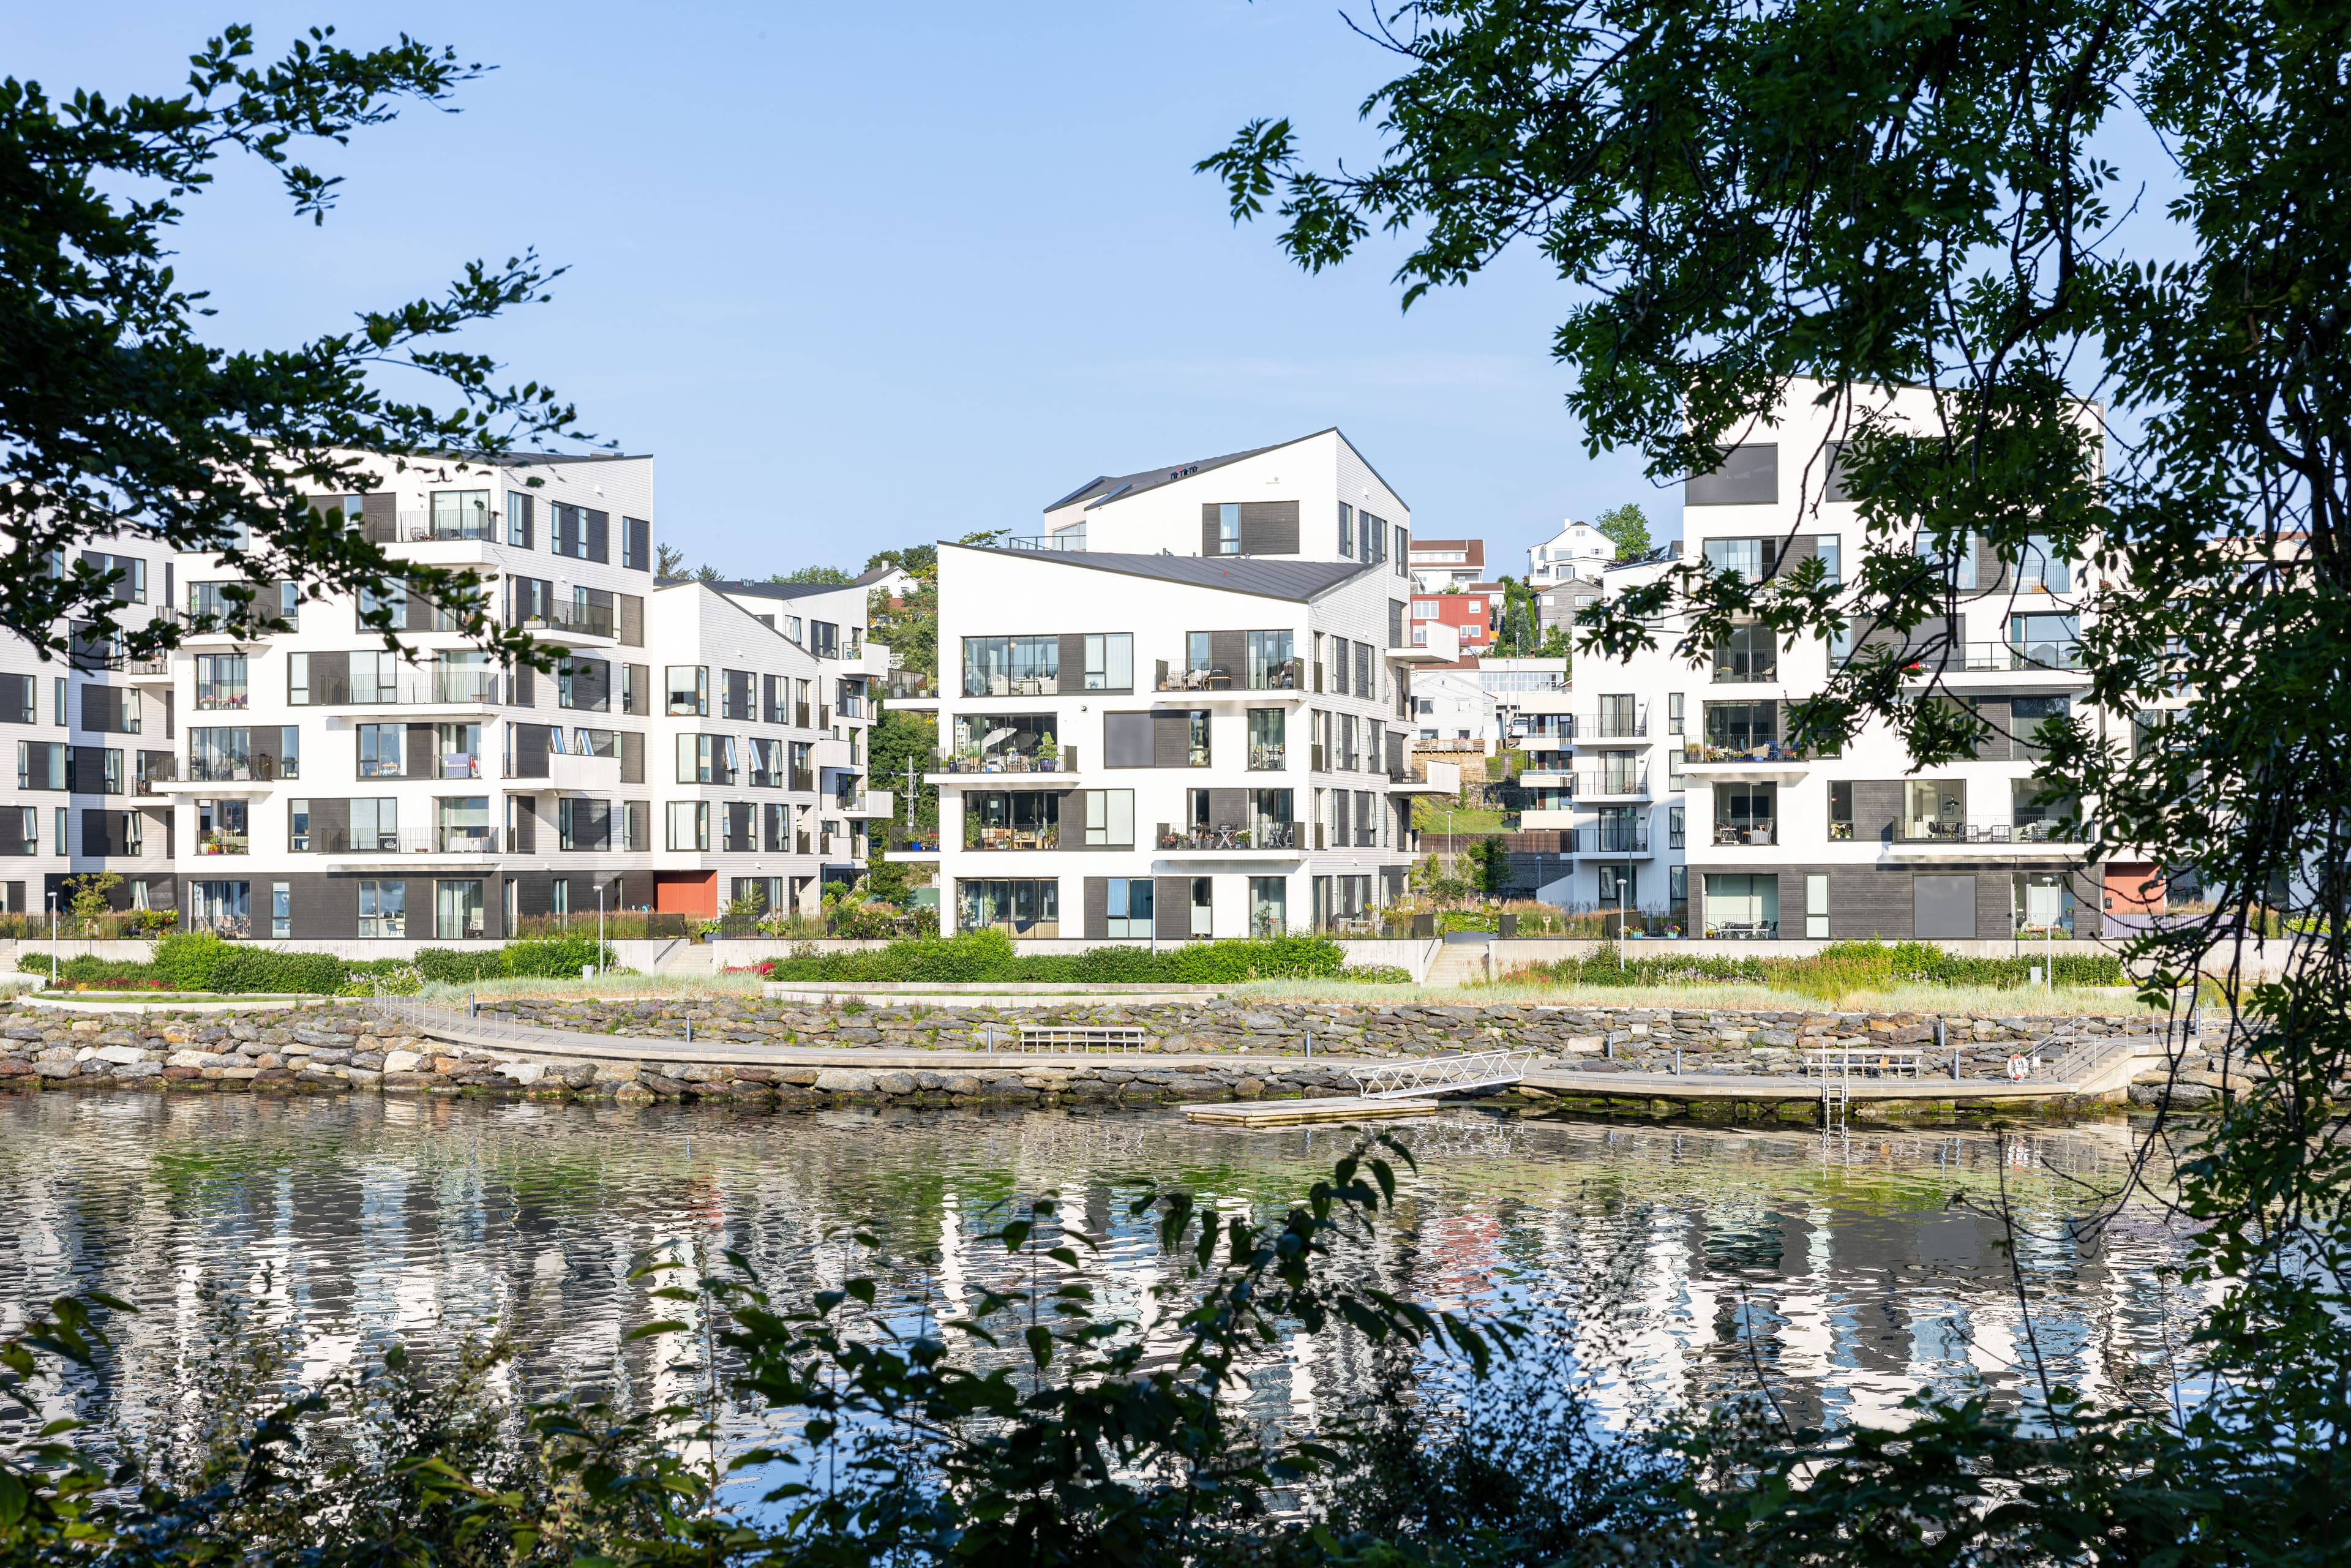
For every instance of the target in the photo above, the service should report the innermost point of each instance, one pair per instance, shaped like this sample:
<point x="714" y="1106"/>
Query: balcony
<point x="156" y="671"/>
<point x="1045" y="765"/>
<point x="1769" y="760"/>
<point x="1265" y="759"/>
<point x="1289" y="679"/>
<point x="461" y="845"/>
<point x="578" y="775"/>
<point x="908" y="843"/>
<point x="1442" y="646"/>
<point x="1047" y="836"/>
<point x="2051" y="656"/>
<point x="865" y="803"/>
<point x="1762" y="835"/>
<point x="460" y="691"/>
<point x="570" y="625"/>
<point x="225" y="776"/>
<point x="827" y="752"/>
<point x="1602" y="784"/>
<point x="1266" y="838"/>
<point x="224" y="843"/>
<point x="804" y="780"/>
<point x="1588" y="727"/>
<point x="1606" y="839"/>
<point x="1984" y="835"/>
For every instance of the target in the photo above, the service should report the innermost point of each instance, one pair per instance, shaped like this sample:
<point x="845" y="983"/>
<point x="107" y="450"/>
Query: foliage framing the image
<point x="1751" y="204"/>
<point x="116" y="415"/>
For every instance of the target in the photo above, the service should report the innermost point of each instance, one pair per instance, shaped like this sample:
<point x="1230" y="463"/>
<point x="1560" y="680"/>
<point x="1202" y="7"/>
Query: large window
<point x="1747" y="653"/>
<point x="1742" y="730"/>
<point x="460" y="910"/>
<point x="383" y="750"/>
<point x="225" y="908"/>
<point x="1271" y="825"/>
<point x="1841" y="810"/>
<point x="1268" y="730"/>
<point x="1011" y="820"/>
<point x="1228" y="528"/>
<point x="220" y="680"/>
<point x="1269" y="906"/>
<point x="1745" y="814"/>
<point x="1749" y="559"/>
<point x="375" y="824"/>
<point x="1935" y="808"/>
<point x="383" y="909"/>
<point x="689" y="825"/>
<point x="2043" y="569"/>
<point x="689" y="691"/>
<point x="1619" y="886"/>
<point x="1011" y="666"/>
<point x="1110" y="661"/>
<point x="1018" y="906"/>
<point x="461" y="514"/>
<point x="2038" y="821"/>
<point x="2026" y="717"/>
<point x="222" y="828"/>
<point x="1005" y="743"/>
<point x="1110" y="819"/>
<point x="1130" y="906"/>
<point x="464" y="677"/>
<point x="1272" y="664"/>
<point x="2043" y="903"/>
<point x="2044" y="642"/>
<point x="1742" y="904"/>
<point x="218" y="755"/>
<point x="465" y="824"/>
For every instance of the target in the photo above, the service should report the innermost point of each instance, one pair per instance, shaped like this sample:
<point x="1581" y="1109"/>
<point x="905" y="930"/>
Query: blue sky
<point x="865" y="276"/>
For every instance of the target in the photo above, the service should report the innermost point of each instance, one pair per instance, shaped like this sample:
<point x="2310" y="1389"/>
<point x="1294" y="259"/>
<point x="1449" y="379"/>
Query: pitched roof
<point x="1472" y="550"/>
<point x="781" y="590"/>
<point x="1118" y="487"/>
<point x="1294" y="580"/>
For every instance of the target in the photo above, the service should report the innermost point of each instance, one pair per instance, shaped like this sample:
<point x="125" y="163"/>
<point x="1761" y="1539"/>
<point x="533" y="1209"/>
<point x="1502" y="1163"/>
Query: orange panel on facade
<point x="686" y="892"/>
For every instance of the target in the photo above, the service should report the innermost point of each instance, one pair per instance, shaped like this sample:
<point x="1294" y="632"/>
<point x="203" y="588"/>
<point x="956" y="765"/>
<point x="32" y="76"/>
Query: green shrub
<point x="1838" y="969"/>
<point x="555" y="956"/>
<point x="251" y="971"/>
<point x="88" y="970"/>
<point x="449" y="966"/>
<point x="185" y="959"/>
<point x="987" y="955"/>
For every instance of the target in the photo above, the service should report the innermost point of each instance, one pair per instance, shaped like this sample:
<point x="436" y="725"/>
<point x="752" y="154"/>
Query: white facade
<point x="1440" y="564"/>
<point x="1145" y="746"/>
<point x="326" y="788"/>
<point x="1314" y="498"/>
<point x="1578" y="549"/>
<point x="1856" y="846"/>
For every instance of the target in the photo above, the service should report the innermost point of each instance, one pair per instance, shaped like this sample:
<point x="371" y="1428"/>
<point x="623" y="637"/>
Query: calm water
<point x="1686" y="1258"/>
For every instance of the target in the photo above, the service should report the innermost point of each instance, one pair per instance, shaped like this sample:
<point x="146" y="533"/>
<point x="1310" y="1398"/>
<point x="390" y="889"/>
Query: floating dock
<point x="1300" y="1113"/>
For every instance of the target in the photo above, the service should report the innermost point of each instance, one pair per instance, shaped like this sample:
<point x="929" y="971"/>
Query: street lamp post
<point x="53" y="941"/>
<point x="599" y="925"/>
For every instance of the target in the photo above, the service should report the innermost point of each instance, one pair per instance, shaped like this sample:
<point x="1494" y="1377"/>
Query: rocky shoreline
<point x="1228" y="1050"/>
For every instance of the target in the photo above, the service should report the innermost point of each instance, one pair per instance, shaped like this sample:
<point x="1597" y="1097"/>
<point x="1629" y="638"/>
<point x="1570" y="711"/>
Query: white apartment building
<point x="1578" y="549"/>
<point x="1172" y="746"/>
<point x="1440" y="564"/>
<point x="1314" y="498"/>
<point x="683" y="751"/>
<point x="92" y="734"/>
<point x="1777" y="844"/>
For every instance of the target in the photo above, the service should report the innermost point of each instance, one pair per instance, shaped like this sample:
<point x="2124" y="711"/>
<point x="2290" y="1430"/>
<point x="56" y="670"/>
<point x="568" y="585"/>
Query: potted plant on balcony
<point x="1048" y="756"/>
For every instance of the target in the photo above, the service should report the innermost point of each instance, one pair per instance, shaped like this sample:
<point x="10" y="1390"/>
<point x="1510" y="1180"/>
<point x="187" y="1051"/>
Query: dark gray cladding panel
<point x="1865" y="903"/>
<point x="1748" y="475"/>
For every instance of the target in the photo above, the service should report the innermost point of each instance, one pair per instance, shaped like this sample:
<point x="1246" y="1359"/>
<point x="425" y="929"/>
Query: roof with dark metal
<point x="1293" y="580"/>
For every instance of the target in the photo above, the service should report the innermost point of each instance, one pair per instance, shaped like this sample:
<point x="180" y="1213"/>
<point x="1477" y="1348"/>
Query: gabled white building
<point x="1779" y="844"/>
<point x="1170" y="746"/>
<point x="1314" y="498"/>
<point x="682" y="753"/>
<point x="1578" y="549"/>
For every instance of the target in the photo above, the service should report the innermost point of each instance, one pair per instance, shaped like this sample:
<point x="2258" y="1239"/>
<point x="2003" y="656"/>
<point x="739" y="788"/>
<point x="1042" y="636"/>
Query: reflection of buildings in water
<point x="1688" y="1258"/>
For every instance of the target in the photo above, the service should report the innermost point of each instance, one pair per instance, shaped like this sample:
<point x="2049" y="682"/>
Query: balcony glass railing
<point x="1264" y="758"/>
<point x="1043" y="836"/>
<point x="1943" y="830"/>
<point x="1757" y="833"/>
<point x="1603" y="727"/>
<point x="1042" y="760"/>
<point x="2048" y="654"/>
<point x="1765" y="751"/>
<point x="1263" y="836"/>
<point x="1607" y="839"/>
<point x="585" y="619"/>
<point x="1288" y="676"/>
<point x="239" y="769"/>
<point x="224" y="843"/>
<point x="907" y="841"/>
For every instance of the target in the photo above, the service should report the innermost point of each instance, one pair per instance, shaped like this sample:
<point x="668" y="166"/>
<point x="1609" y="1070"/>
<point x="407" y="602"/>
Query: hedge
<point x="987" y="955"/>
<point x="1836" y="969"/>
<point x="197" y="961"/>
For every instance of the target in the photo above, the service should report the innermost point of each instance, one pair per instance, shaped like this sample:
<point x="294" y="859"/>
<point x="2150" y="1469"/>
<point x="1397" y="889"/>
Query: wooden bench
<point x="1054" y="1036"/>
<point x="1862" y="1061"/>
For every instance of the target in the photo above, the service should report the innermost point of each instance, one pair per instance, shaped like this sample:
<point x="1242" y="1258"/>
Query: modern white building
<point x="1173" y="746"/>
<point x="1578" y="549"/>
<point x="1779" y="844"/>
<point x="685" y="750"/>
<point x="1314" y="498"/>
<point x="1440" y="564"/>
